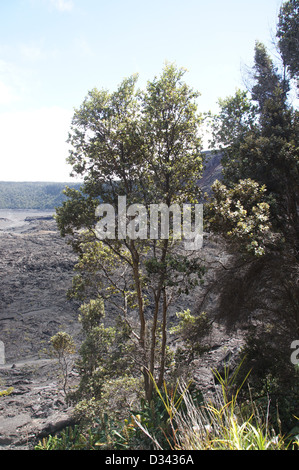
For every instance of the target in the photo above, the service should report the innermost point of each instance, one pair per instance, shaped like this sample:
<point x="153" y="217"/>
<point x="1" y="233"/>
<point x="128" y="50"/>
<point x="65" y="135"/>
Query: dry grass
<point x="221" y="424"/>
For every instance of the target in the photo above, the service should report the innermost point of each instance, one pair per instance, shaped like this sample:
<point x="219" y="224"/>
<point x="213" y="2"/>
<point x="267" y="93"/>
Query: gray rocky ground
<point x="36" y="268"/>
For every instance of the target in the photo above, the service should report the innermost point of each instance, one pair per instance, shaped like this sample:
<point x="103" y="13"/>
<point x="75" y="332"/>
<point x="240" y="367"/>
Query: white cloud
<point x="33" y="145"/>
<point x="62" y="5"/>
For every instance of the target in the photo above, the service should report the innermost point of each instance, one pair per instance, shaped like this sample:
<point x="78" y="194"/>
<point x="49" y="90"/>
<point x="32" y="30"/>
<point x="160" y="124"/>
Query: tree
<point x="288" y="35"/>
<point x="264" y="144"/>
<point x="237" y="117"/>
<point x="143" y="145"/>
<point x="241" y="215"/>
<point x="105" y="358"/>
<point x="63" y="346"/>
<point x="267" y="82"/>
<point x="256" y="209"/>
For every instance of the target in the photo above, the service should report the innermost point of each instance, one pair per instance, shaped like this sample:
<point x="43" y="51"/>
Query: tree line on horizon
<point x="33" y="195"/>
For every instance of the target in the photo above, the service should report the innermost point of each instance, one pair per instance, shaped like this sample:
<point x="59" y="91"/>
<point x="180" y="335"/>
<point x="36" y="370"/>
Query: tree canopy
<point x="144" y="145"/>
<point x="141" y="148"/>
<point x="288" y="36"/>
<point x="258" y="133"/>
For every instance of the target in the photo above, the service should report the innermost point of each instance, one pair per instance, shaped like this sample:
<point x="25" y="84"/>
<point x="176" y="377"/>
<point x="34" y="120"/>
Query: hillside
<point x="32" y="195"/>
<point x="49" y="195"/>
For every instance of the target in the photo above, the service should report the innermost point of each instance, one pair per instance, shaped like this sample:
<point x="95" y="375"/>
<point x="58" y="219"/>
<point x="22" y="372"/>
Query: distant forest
<point x="32" y="195"/>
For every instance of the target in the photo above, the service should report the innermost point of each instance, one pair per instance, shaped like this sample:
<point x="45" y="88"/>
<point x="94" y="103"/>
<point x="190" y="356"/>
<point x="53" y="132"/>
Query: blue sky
<point x="52" y="52"/>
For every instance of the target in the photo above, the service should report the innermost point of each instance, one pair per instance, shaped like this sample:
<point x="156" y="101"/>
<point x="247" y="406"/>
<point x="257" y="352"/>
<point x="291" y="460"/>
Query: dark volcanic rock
<point x="34" y="407"/>
<point x="36" y="269"/>
<point x="212" y="171"/>
<point x="37" y="217"/>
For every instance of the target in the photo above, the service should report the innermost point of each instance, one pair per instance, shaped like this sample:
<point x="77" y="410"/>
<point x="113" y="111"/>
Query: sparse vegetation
<point x="145" y="145"/>
<point x="148" y="141"/>
<point x="5" y="393"/>
<point x="63" y="347"/>
<point x="179" y="420"/>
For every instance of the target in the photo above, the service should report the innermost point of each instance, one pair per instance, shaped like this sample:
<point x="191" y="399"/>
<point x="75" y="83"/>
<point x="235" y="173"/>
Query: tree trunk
<point x="136" y="274"/>
<point x="153" y="342"/>
<point x="160" y="288"/>
<point x="164" y="340"/>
